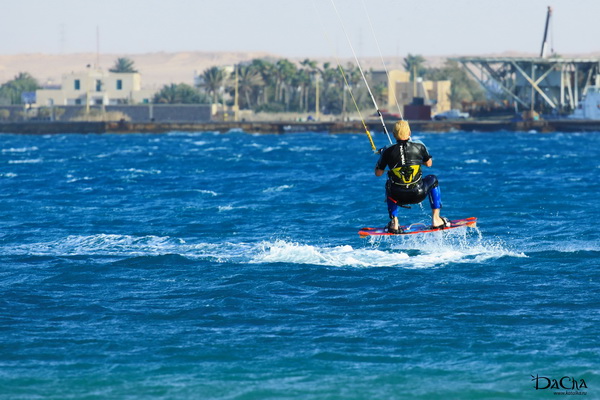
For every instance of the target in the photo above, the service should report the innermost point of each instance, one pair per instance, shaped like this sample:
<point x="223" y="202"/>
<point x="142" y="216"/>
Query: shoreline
<point x="282" y="127"/>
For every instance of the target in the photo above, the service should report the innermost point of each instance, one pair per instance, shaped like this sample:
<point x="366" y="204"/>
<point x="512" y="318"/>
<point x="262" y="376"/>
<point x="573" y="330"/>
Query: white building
<point x="96" y="87"/>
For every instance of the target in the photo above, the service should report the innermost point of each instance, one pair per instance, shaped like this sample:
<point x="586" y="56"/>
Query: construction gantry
<point x="538" y="83"/>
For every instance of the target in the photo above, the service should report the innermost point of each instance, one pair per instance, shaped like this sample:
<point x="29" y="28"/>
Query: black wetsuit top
<point x="404" y="160"/>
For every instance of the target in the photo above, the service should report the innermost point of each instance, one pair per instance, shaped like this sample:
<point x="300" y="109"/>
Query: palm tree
<point x="302" y="82"/>
<point x="311" y="70"/>
<point x="414" y="64"/>
<point x="331" y="89"/>
<point x="284" y="70"/>
<point x="249" y="83"/>
<point x="166" y="95"/>
<point x="265" y="69"/>
<point x="213" y="79"/>
<point x="380" y="92"/>
<point x="178" y="94"/>
<point x="123" y="65"/>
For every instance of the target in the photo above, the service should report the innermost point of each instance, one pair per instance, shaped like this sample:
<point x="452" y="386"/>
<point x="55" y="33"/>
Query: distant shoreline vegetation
<point x="283" y="86"/>
<point x="280" y="86"/>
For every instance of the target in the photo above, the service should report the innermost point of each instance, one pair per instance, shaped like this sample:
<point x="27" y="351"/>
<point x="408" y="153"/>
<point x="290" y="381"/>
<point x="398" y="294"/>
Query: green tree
<point x="308" y="85"/>
<point x="277" y="86"/>
<point x="13" y="89"/>
<point x="380" y="92"/>
<point x="178" y="94"/>
<point x="284" y="73"/>
<point x="332" y="93"/>
<point x="463" y="90"/>
<point x="213" y="79"/>
<point x="414" y="63"/>
<point x="123" y="65"/>
<point x="265" y="69"/>
<point x="250" y="82"/>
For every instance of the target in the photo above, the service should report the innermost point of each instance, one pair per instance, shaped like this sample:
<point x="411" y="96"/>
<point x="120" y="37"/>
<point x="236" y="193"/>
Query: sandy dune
<point x="162" y="68"/>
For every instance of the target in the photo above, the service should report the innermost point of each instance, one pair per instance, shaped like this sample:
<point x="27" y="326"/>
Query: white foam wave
<point x="278" y="188"/>
<point x="28" y="161"/>
<point x="210" y="192"/>
<point x="305" y="149"/>
<point x="573" y="246"/>
<point x="72" y="179"/>
<point x="423" y="252"/>
<point x="128" y="246"/>
<point x="379" y="254"/>
<point x="285" y="252"/>
<point x="270" y="149"/>
<point x="100" y="244"/>
<point x="143" y="171"/>
<point x="19" y="149"/>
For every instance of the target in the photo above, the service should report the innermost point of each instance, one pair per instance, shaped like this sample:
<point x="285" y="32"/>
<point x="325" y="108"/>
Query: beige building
<point x="96" y="87"/>
<point x="402" y="90"/>
<point x="434" y="93"/>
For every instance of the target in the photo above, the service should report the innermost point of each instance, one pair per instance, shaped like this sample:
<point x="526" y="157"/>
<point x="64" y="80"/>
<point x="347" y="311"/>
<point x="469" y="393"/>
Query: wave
<point x="20" y="149"/>
<point x="426" y="251"/>
<point x="26" y="161"/>
<point x="278" y="188"/>
<point x="209" y="192"/>
<point x="124" y="246"/>
<point x="410" y="253"/>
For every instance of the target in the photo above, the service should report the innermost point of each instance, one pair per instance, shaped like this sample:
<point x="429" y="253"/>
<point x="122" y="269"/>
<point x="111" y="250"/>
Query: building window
<point x="119" y="84"/>
<point x="77" y="84"/>
<point x="77" y="101"/>
<point x="98" y="85"/>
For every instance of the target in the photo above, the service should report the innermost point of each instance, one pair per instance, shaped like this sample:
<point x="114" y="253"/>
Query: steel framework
<point x="535" y="83"/>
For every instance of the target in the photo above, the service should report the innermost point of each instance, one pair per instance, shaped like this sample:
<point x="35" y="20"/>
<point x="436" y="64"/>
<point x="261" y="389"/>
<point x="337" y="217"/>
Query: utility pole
<point x="235" y="98"/>
<point x="87" y="93"/>
<point x="97" y="47"/>
<point x="415" y="81"/>
<point x="317" y="99"/>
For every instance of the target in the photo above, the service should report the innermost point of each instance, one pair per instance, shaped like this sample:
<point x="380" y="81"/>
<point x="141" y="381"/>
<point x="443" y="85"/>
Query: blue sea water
<point x="228" y="266"/>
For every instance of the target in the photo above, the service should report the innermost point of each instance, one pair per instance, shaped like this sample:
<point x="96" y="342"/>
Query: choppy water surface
<point x="228" y="266"/>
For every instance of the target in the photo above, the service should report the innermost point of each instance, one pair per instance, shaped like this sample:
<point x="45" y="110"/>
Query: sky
<point x="298" y="28"/>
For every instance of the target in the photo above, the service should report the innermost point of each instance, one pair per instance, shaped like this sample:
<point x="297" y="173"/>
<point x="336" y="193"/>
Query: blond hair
<point x="401" y="130"/>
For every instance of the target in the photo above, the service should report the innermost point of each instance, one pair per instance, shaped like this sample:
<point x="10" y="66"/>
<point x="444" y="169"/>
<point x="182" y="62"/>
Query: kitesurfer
<point x="405" y="184"/>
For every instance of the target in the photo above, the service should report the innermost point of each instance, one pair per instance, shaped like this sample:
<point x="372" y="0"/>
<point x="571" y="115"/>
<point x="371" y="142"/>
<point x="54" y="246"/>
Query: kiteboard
<point x="418" y="228"/>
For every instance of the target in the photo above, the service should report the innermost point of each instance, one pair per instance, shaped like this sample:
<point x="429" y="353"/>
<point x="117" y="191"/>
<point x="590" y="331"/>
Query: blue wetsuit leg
<point x="433" y="190"/>
<point x="392" y="204"/>
<point x="392" y="207"/>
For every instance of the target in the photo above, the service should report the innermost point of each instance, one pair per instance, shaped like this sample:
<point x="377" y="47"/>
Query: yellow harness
<point x="408" y="175"/>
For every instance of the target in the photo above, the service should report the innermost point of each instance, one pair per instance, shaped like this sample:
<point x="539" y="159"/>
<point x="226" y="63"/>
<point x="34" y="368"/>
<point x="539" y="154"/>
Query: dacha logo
<point x="566" y="382"/>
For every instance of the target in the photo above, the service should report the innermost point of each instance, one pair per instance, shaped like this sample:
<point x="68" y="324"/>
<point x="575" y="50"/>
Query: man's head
<point x="401" y="130"/>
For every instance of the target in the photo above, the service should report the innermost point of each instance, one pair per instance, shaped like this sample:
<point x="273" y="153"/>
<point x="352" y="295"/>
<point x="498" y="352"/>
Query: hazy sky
<point x="298" y="28"/>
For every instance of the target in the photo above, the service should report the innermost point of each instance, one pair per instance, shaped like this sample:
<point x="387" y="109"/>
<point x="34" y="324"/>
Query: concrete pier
<point x="280" y="127"/>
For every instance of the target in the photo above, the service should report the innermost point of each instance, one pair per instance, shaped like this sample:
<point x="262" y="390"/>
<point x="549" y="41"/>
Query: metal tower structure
<point x="544" y="83"/>
<point x="536" y="83"/>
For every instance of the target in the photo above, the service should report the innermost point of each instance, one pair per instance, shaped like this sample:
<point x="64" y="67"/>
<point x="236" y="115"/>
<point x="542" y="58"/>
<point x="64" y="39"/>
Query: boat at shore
<point x="589" y="107"/>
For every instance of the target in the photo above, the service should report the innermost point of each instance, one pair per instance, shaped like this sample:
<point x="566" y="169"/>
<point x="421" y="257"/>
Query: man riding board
<point x="405" y="184"/>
